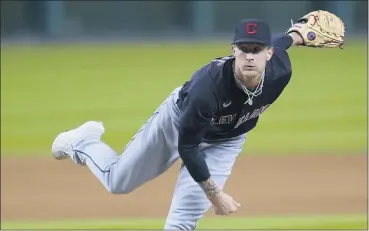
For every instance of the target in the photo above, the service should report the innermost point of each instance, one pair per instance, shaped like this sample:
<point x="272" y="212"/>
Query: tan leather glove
<point x="320" y="29"/>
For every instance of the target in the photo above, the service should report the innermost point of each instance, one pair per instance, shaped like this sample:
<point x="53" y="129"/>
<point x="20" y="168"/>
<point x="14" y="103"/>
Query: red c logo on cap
<point x="251" y="28"/>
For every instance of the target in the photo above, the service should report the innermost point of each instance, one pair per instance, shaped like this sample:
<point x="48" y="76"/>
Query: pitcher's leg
<point x="143" y="160"/>
<point x="189" y="202"/>
<point x="145" y="157"/>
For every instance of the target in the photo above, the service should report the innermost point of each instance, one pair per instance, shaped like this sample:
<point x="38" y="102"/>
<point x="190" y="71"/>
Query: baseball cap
<point x="252" y="31"/>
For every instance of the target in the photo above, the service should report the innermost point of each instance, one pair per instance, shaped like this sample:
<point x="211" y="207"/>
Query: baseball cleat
<point x="62" y="146"/>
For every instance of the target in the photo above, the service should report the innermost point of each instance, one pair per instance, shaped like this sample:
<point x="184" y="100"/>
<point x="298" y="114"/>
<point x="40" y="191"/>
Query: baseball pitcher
<point x="204" y="122"/>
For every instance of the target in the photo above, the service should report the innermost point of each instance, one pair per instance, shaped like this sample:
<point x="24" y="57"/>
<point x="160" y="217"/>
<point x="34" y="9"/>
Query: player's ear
<point x="270" y="53"/>
<point x="233" y="49"/>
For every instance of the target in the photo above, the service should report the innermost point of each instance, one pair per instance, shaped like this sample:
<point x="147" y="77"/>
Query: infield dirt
<point x="44" y="189"/>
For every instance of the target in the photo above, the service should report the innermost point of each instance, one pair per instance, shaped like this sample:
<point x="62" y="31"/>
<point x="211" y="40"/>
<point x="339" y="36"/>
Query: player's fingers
<point x="237" y="204"/>
<point x="233" y="209"/>
<point x="221" y="213"/>
<point x="218" y="211"/>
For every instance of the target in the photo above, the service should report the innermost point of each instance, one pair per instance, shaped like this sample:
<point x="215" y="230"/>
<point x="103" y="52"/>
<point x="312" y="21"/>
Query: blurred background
<point x="24" y="20"/>
<point x="65" y="62"/>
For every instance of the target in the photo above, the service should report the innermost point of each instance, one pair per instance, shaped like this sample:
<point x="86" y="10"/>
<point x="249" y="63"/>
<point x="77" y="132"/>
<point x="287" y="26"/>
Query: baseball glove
<point x="320" y="29"/>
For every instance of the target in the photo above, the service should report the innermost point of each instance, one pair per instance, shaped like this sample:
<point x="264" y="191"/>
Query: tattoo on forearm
<point x="209" y="187"/>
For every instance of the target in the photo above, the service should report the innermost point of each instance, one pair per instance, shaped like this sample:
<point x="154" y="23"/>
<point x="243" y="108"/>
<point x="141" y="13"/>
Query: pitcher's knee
<point x="180" y="225"/>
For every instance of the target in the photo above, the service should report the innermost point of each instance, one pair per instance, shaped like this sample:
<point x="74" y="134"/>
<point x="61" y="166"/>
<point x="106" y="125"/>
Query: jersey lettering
<point x="252" y="115"/>
<point x="226" y="119"/>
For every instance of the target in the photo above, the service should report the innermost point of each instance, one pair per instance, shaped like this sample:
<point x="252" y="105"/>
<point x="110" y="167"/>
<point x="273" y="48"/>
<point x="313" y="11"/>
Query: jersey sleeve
<point x="282" y="40"/>
<point x="198" y="108"/>
<point x="282" y="83"/>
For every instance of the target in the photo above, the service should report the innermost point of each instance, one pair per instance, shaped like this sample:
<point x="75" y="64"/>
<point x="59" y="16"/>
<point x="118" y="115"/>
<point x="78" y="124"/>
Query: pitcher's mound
<point x="43" y="188"/>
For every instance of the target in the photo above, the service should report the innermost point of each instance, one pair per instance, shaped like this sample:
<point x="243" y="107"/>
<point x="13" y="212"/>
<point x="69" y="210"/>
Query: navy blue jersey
<point x="213" y="107"/>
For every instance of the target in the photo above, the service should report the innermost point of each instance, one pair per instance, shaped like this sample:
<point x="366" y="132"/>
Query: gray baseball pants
<point x="152" y="151"/>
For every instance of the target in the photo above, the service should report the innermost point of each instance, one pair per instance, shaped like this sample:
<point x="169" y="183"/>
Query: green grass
<point x="50" y="88"/>
<point x="307" y="222"/>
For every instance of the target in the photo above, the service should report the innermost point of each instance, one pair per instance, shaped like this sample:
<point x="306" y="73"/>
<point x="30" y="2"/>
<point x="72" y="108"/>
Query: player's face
<point x="251" y="58"/>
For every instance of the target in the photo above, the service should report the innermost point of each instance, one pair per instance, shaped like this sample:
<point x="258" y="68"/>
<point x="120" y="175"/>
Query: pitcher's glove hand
<point x="320" y="29"/>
